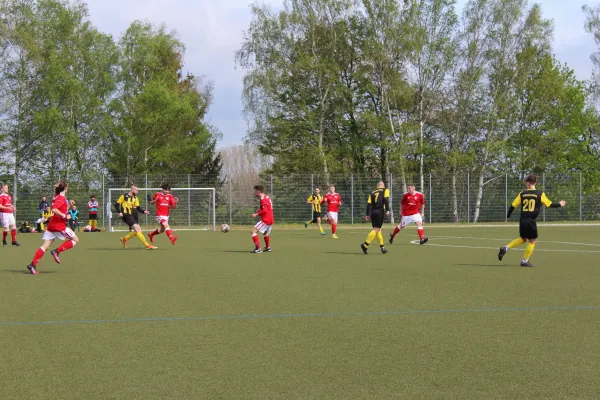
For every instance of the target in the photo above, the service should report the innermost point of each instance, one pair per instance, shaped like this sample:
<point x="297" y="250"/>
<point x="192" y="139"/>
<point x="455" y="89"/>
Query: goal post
<point x="195" y="209"/>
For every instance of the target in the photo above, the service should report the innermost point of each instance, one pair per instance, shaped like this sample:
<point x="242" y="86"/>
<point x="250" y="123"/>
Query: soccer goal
<point x="195" y="209"/>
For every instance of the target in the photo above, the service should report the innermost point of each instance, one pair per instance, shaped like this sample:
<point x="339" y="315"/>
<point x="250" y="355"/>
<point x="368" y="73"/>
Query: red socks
<point x="256" y="242"/>
<point x="267" y="241"/>
<point x="421" y="233"/>
<point x="333" y="228"/>
<point x="169" y="233"/>
<point x="13" y="233"/>
<point x="155" y="232"/>
<point x="396" y="230"/>
<point x="4" y="234"/>
<point x="38" y="256"/>
<point x="65" y="246"/>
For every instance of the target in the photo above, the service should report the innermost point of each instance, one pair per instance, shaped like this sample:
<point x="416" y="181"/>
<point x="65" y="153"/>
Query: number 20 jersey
<point x="530" y="202"/>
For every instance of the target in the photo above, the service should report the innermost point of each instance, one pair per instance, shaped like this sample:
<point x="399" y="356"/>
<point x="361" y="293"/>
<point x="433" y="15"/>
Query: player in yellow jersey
<point x="315" y="200"/>
<point x="378" y="206"/>
<point x="530" y="202"/>
<point x="125" y="206"/>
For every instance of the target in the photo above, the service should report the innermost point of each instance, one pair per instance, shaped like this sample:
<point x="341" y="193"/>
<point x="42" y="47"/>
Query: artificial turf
<point x="314" y="319"/>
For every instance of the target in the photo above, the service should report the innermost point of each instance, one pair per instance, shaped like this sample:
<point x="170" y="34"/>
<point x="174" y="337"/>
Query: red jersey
<point x="58" y="223"/>
<point x="164" y="202"/>
<point x="6" y="201"/>
<point x="411" y="202"/>
<point x="266" y="210"/>
<point x="334" y="200"/>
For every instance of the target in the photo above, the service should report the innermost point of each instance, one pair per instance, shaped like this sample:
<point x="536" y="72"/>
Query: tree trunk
<point x="479" y="194"/>
<point x="454" y="197"/>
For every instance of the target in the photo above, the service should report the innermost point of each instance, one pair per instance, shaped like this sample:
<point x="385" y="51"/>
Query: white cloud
<point x="212" y="31"/>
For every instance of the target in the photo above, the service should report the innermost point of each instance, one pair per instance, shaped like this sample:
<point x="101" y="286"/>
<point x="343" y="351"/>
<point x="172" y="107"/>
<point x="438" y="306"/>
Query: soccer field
<point x="314" y="319"/>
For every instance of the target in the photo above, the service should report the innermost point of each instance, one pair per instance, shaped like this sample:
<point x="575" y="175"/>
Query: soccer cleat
<point x="151" y="237"/>
<point x="16" y="244"/>
<point x="391" y="239"/>
<point x="424" y="240"/>
<point x="4" y="243"/>
<point x="173" y="239"/>
<point x="502" y="253"/>
<point x="124" y="242"/>
<point x="334" y="236"/>
<point x="31" y="269"/>
<point x="383" y="250"/>
<point x="267" y="249"/>
<point x="323" y="233"/>
<point x="150" y="247"/>
<point x="526" y="264"/>
<point x="364" y="248"/>
<point x="256" y="251"/>
<point x="54" y="255"/>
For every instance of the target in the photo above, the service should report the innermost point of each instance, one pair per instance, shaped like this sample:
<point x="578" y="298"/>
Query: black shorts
<point x="129" y="220"/>
<point x="377" y="219"/>
<point x="528" y="228"/>
<point x="316" y="215"/>
<point x="93" y="216"/>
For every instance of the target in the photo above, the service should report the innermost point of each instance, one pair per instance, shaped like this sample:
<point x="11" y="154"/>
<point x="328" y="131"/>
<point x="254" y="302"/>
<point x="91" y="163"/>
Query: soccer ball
<point x="224" y="228"/>
<point x="87" y="228"/>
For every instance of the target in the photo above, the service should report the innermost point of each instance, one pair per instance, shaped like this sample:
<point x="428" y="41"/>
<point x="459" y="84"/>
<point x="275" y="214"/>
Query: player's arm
<point x="310" y="200"/>
<point x="368" y="214"/>
<point x="154" y="198"/>
<point x="516" y="203"/>
<point x="118" y="204"/>
<point x="550" y="204"/>
<point x="386" y="201"/>
<point x="139" y="208"/>
<point x="422" y="205"/>
<point x="56" y="211"/>
<point x="173" y="202"/>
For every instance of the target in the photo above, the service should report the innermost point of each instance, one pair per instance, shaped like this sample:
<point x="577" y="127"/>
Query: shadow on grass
<point x="347" y="253"/>
<point x="26" y="271"/>
<point x="483" y="265"/>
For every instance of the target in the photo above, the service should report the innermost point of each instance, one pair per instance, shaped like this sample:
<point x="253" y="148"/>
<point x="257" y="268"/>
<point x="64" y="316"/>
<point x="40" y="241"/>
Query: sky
<point x="212" y="31"/>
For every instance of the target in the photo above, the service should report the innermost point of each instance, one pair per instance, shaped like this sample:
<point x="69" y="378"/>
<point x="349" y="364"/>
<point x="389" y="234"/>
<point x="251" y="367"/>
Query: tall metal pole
<point x="352" y="199"/>
<point x="468" y="198"/>
<point x="271" y="185"/>
<point x="145" y="198"/>
<point x="544" y="189"/>
<point x="15" y="196"/>
<point x="392" y="198"/>
<point x="580" y="197"/>
<point x="505" y="195"/>
<point x="312" y="189"/>
<point x="430" y="197"/>
<point x="214" y="218"/>
<point x="103" y="203"/>
<point x="230" y="204"/>
<point x="189" y="202"/>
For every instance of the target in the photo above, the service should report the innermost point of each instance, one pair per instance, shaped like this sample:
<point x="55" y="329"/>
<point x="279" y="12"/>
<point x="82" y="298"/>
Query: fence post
<point x="505" y="195"/>
<point x="468" y="197"/>
<point x="312" y="190"/>
<point x="230" y="204"/>
<point x="391" y="198"/>
<point x="272" y="195"/>
<point x="544" y="189"/>
<point x="189" y="201"/>
<point x="103" y="203"/>
<point x="145" y="198"/>
<point x="15" y="190"/>
<point x="352" y="199"/>
<point x="430" y="197"/>
<point x="580" y="197"/>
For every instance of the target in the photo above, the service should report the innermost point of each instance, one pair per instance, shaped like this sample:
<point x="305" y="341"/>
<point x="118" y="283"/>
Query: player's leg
<point x="515" y="243"/>
<point x="532" y="238"/>
<point x="401" y="225"/>
<point x="13" y="231"/>
<point x="320" y="225"/>
<point x="137" y="231"/>
<point x="333" y="220"/>
<point x="5" y="225"/>
<point x="70" y="239"/>
<point x="167" y="229"/>
<point x="255" y="229"/>
<point x="420" y="231"/>
<point x="267" y="238"/>
<point x="157" y="231"/>
<point x="48" y="238"/>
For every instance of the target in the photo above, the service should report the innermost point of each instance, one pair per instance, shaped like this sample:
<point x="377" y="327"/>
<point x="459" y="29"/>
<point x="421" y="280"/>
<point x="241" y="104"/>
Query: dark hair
<point x="166" y="186"/>
<point x="260" y="188"/>
<point x="317" y="187"/>
<point x="60" y="187"/>
<point x="92" y="197"/>
<point x="531" y="179"/>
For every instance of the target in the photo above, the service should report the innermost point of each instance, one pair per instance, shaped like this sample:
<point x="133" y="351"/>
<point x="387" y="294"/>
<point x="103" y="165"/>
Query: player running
<point x="530" y="201"/>
<point x="334" y="201"/>
<point x="57" y="229"/>
<point x="164" y="201"/>
<point x="7" y="215"/>
<point x="378" y="204"/>
<point x="264" y="226"/>
<point x="315" y="200"/>
<point x="412" y="208"/>
<point x="125" y="206"/>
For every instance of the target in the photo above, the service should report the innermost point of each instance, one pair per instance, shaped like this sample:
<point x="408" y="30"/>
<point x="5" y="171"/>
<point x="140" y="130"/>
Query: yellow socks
<point x="370" y="237"/>
<point x="131" y="235"/>
<point x="380" y="238"/>
<point x="528" y="251"/>
<point x="140" y="236"/>
<point x="515" y="243"/>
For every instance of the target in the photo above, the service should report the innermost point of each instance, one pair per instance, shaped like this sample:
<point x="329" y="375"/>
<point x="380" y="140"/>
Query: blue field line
<point x="307" y="315"/>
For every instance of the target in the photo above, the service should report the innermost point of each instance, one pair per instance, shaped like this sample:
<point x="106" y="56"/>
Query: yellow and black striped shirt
<point x="316" y="200"/>
<point x="127" y="203"/>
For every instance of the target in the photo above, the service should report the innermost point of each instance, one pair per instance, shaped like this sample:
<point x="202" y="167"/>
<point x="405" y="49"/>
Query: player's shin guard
<point x="38" y="256"/>
<point x="141" y="237"/>
<point x="131" y="235"/>
<point x="370" y="237"/>
<point x="528" y="251"/>
<point x="515" y="243"/>
<point x="169" y="233"/>
<point x="255" y="240"/>
<point x="421" y="232"/>
<point x="4" y="235"/>
<point x="13" y="233"/>
<point x="267" y="241"/>
<point x="396" y="230"/>
<point x="66" y="246"/>
<point x="380" y="238"/>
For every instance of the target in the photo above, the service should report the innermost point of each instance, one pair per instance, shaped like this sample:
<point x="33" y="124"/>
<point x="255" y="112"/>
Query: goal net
<point x="195" y="209"/>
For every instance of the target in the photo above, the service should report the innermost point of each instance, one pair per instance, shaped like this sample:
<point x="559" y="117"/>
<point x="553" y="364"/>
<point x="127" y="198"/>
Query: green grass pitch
<point x="314" y="319"/>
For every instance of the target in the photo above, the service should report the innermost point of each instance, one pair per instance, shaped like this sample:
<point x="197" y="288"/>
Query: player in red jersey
<point x="57" y="229"/>
<point x="412" y="208"/>
<point x="264" y="226"/>
<point x="164" y="201"/>
<point x="334" y="201"/>
<point x="7" y="216"/>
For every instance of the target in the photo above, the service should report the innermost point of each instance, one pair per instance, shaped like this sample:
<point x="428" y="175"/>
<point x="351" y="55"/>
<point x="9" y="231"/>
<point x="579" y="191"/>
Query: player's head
<point x="134" y="190"/>
<point x="61" y="187"/>
<point x="74" y="207"/>
<point x="332" y="188"/>
<point x="531" y="180"/>
<point x="92" y="197"/>
<point x="166" y="188"/>
<point x="380" y="185"/>
<point x="411" y="189"/>
<point x="317" y="190"/>
<point x="43" y="198"/>
<point x="4" y="188"/>
<point x="259" y="190"/>
<point x="48" y="208"/>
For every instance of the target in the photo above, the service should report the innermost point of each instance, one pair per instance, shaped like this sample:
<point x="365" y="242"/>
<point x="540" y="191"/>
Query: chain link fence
<point x="450" y="199"/>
